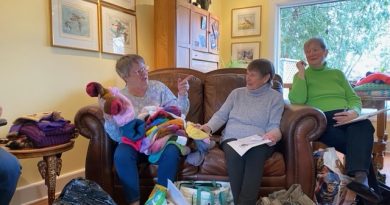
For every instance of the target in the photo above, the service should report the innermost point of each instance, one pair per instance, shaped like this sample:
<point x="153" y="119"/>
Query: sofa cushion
<point x="195" y="93"/>
<point x="217" y="87"/>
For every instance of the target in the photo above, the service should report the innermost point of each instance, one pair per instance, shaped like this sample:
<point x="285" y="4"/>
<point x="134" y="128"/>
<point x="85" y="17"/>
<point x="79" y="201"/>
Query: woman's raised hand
<point x="301" y="65"/>
<point x="183" y="86"/>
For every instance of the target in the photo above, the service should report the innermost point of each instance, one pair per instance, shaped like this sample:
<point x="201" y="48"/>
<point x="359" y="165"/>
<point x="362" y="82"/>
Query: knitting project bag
<point x="206" y="192"/>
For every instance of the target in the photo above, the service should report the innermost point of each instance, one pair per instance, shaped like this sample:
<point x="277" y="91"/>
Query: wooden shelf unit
<point x="185" y="36"/>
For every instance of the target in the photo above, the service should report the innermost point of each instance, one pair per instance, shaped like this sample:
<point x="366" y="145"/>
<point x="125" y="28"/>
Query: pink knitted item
<point x="125" y="115"/>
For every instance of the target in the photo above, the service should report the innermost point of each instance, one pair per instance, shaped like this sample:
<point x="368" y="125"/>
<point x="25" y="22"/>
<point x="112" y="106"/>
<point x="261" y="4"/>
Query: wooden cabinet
<point x="185" y="36"/>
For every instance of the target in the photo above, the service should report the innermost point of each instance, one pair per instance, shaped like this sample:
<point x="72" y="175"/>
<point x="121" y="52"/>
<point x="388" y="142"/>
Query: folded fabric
<point x="375" y="77"/>
<point x="159" y="144"/>
<point x="36" y="117"/>
<point x="177" y="121"/>
<point x="173" y="109"/>
<point x="194" y="132"/>
<point x="203" y="146"/>
<point x="372" y="86"/>
<point x="133" y="130"/>
<point x="184" y="150"/>
<point x="171" y="129"/>
<point x="40" y="138"/>
<point x="195" y="158"/>
<point x="156" y="122"/>
<point x="135" y="144"/>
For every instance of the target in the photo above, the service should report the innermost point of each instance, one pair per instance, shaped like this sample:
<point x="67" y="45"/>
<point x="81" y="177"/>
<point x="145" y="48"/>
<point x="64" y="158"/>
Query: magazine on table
<point x="363" y="117"/>
<point x="242" y="145"/>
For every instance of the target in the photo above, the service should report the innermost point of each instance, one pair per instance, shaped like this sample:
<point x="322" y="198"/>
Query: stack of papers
<point x="363" y="117"/>
<point x="242" y="145"/>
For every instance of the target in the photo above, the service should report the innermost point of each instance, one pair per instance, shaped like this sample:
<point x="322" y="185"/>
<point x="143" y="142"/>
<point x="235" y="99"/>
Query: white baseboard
<point x="35" y="192"/>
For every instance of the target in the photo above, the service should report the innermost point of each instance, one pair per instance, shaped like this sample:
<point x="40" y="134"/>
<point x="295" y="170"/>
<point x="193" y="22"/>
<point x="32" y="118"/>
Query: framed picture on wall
<point x="126" y="4"/>
<point x="246" y="21"/>
<point x="119" y="31"/>
<point x="244" y="53"/>
<point x="74" y="24"/>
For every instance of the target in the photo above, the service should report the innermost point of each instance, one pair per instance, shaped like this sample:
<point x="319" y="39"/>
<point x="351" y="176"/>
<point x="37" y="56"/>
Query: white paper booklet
<point x="363" y="117"/>
<point x="241" y="146"/>
<point x="174" y="195"/>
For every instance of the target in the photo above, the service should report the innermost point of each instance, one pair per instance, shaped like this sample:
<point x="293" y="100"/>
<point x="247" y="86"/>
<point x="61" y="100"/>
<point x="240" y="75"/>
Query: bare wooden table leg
<point x="50" y="168"/>
<point x="380" y="143"/>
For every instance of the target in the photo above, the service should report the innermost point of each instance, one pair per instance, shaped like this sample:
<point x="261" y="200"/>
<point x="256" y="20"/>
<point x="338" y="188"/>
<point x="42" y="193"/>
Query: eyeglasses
<point x="142" y="70"/>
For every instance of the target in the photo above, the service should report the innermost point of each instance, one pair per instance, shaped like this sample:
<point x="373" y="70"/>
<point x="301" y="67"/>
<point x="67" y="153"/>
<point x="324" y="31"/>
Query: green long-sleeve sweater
<point x="326" y="89"/>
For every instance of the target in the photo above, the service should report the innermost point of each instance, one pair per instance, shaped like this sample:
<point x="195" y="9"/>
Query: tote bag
<point x="206" y="192"/>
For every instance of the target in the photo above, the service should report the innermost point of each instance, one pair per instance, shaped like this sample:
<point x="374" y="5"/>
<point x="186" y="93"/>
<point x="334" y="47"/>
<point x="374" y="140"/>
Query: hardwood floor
<point x="385" y="170"/>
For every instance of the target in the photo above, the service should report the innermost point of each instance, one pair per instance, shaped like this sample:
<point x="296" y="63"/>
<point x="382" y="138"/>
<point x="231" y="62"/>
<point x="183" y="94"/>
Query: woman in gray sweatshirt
<point x="254" y="109"/>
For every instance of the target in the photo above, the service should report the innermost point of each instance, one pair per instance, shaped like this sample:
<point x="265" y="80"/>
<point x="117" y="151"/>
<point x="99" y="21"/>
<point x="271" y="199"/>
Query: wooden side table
<point x="49" y="167"/>
<point x="379" y="145"/>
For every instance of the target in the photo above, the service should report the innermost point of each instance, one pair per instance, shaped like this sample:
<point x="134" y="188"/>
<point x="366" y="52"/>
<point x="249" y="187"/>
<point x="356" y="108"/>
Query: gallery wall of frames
<point x="107" y="26"/>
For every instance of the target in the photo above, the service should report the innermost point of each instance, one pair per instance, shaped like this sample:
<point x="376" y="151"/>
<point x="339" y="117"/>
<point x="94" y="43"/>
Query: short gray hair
<point x="264" y="67"/>
<point x="125" y="64"/>
<point x="317" y="40"/>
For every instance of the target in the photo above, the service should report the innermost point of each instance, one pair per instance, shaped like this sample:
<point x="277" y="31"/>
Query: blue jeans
<point x="126" y="160"/>
<point x="9" y="175"/>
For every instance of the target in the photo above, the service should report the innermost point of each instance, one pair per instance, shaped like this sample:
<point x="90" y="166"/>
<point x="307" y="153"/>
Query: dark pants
<point x="126" y="160"/>
<point x="354" y="140"/>
<point x="245" y="172"/>
<point x="9" y="175"/>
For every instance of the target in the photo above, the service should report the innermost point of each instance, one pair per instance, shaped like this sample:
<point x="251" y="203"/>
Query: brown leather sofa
<point x="291" y="163"/>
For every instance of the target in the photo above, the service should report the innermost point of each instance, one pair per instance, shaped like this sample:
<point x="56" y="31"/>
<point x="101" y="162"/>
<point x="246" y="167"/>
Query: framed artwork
<point x="246" y="21"/>
<point x="74" y="24"/>
<point x="119" y="32"/>
<point x="126" y="4"/>
<point x="244" y="53"/>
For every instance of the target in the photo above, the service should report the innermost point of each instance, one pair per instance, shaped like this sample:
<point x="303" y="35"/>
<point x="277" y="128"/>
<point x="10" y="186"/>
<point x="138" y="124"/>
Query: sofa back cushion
<point x="169" y="77"/>
<point x="217" y="87"/>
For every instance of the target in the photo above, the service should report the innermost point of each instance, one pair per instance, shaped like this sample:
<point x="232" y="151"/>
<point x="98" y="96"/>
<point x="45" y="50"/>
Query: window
<point x="357" y="33"/>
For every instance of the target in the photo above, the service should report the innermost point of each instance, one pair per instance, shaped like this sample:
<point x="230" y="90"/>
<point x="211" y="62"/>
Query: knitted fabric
<point x="195" y="133"/>
<point x="127" y="114"/>
<point x="133" y="130"/>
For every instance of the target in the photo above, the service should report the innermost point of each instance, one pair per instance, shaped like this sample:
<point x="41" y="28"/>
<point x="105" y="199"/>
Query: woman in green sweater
<point x="328" y="90"/>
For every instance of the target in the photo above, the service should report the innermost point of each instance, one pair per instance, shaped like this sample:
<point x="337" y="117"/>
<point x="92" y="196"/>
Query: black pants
<point x="354" y="140"/>
<point x="245" y="172"/>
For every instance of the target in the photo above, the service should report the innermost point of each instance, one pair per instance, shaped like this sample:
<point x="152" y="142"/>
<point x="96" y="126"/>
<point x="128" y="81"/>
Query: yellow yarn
<point x="195" y="133"/>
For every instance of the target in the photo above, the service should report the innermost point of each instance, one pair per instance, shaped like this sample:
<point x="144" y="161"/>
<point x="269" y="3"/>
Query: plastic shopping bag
<point x="331" y="180"/>
<point x="83" y="191"/>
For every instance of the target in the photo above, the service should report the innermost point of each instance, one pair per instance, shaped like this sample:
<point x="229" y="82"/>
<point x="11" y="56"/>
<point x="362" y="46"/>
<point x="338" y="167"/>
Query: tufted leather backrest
<point x="217" y="87"/>
<point x="208" y="91"/>
<point x="218" y="84"/>
<point x="195" y="93"/>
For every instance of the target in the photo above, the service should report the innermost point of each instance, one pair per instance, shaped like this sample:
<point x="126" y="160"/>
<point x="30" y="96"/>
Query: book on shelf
<point x="242" y="145"/>
<point x="363" y="117"/>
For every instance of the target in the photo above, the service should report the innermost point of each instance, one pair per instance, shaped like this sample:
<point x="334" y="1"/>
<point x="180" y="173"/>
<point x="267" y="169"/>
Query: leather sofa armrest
<point x="99" y="162"/>
<point x="300" y="125"/>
